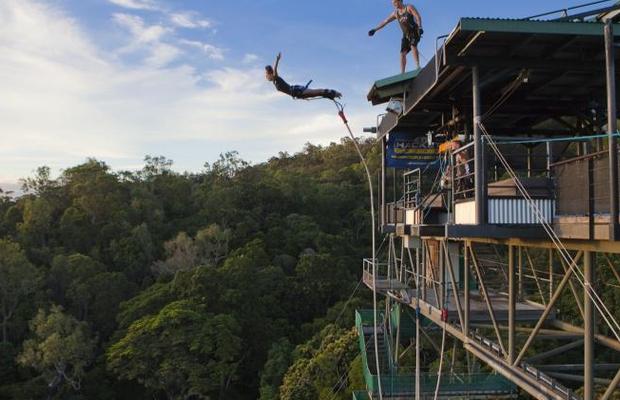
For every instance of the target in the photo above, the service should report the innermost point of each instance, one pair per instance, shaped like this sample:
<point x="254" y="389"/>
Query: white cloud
<point x="189" y="20"/>
<point x="211" y="51"/>
<point x="64" y="99"/>
<point x="250" y="58"/>
<point x="136" y="4"/>
<point x="140" y="31"/>
<point x="147" y="38"/>
<point x="162" y="54"/>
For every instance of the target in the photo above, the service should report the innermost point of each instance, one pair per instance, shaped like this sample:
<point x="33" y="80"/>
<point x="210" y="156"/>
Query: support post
<point x="529" y="162"/>
<point x="588" y="334"/>
<point x="423" y="273"/>
<point x="549" y="158"/>
<point x="612" y="128"/>
<point x="418" y="344"/>
<point x="383" y="146"/>
<point x="466" y="275"/>
<point x="479" y="164"/>
<point x="512" y="304"/>
<point x="520" y="273"/>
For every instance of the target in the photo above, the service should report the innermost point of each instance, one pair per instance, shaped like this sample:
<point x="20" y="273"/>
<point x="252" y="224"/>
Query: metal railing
<point x="463" y="174"/>
<point x="412" y="188"/>
<point x="403" y="382"/>
<point x="582" y="185"/>
<point x="549" y="382"/>
<point x="564" y="12"/>
<point x="528" y="369"/>
<point x="395" y="213"/>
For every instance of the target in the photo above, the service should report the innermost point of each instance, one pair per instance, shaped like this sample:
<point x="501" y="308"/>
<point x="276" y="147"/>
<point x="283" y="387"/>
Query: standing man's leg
<point x="416" y="55"/>
<point x="405" y="47"/>
<point x="403" y="61"/>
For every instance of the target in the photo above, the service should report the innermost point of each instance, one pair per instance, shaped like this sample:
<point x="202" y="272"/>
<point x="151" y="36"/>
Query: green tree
<point x="276" y="366"/>
<point x="18" y="280"/>
<point x="182" y="351"/>
<point x="321" y="370"/>
<point x="61" y="349"/>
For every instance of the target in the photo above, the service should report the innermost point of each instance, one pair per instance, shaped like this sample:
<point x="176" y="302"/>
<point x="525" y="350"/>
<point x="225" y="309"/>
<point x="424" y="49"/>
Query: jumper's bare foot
<point x="333" y="94"/>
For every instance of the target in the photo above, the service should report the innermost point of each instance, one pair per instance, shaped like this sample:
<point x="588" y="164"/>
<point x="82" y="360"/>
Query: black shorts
<point x="410" y="40"/>
<point x="297" y="91"/>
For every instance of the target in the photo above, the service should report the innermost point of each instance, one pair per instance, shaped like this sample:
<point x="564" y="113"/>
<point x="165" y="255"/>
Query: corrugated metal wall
<point x="519" y="211"/>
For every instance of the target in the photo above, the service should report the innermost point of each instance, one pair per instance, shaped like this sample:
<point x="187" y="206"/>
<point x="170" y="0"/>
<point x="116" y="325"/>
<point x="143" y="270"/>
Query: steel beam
<point x="556" y="351"/>
<point x="550" y="273"/>
<point x="573" y="289"/>
<point x="455" y="289"/>
<point x="531" y="263"/>
<point x="433" y="277"/>
<point x="485" y="294"/>
<point x="612" y="267"/>
<point x="547" y="311"/>
<point x="479" y="165"/>
<point x="589" y="390"/>
<point x="520" y="293"/>
<point x="601" y="339"/>
<point x="612" y="388"/>
<point x="525" y="381"/>
<point x="612" y="128"/>
<point x="599" y="246"/>
<point x="512" y="304"/>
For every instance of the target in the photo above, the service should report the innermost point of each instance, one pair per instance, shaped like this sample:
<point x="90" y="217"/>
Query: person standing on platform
<point x="410" y="23"/>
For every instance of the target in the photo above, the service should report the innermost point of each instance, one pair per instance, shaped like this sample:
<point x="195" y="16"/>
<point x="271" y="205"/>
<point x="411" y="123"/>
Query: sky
<point x="120" y="79"/>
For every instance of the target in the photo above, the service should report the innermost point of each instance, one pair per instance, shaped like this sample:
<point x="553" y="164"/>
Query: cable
<point x="592" y="294"/>
<point x="342" y="116"/>
<point x="589" y="290"/>
<point x="559" y="139"/>
<point x="344" y="308"/>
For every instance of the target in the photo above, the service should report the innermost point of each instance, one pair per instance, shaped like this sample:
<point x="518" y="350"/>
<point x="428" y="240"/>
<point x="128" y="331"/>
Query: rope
<point x="560" y="139"/>
<point x="556" y="240"/>
<point x="344" y="308"/>
<point x="443" y="344"/>
<point x="588" y="289"/>
<point x="343" y="117"/>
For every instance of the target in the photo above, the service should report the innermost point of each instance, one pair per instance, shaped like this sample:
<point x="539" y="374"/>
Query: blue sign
<point x="407" y="152"/>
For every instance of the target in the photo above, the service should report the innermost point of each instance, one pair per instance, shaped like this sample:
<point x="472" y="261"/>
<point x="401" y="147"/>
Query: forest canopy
<point x="221" y="284"/>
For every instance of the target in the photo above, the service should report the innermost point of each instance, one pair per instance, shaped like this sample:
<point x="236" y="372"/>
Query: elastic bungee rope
<point x="343" y="117"/>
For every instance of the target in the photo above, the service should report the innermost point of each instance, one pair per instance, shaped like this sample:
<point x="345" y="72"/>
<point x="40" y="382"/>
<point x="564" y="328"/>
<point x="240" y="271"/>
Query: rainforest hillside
<point x="153" y="284"/>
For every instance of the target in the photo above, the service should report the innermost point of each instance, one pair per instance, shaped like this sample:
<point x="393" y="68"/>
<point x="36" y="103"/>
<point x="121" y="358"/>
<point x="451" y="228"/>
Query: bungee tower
<point x="499" y="204"/>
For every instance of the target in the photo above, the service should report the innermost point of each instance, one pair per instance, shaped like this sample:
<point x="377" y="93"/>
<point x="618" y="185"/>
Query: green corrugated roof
<point x="382" y="90"/>
<point x="534" y="26"/>
<point x="396" y="79"/>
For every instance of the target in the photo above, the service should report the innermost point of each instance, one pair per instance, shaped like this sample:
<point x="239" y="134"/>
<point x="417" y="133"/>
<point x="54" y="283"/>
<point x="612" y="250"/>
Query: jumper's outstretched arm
<point x="386" y="21"/>
<point x="275" y="65"/>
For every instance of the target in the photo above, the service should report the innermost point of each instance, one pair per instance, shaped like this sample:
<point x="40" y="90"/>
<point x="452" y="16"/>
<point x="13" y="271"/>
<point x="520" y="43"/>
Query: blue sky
<point x="119" y="79"/>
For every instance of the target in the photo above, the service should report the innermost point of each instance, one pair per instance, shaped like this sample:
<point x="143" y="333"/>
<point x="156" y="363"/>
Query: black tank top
<point x="406" y="20"/>
<point x="281" y="85"/>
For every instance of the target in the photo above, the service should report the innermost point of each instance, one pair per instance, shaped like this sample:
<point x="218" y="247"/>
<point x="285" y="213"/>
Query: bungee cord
<point x="343" y="117"/>
<point x="441" y="353"/>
